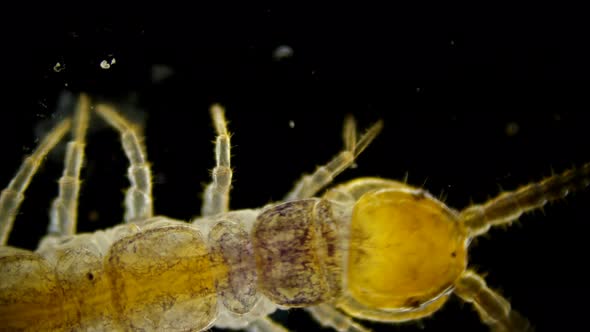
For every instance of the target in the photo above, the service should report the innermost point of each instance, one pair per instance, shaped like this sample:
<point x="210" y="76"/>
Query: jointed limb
<point x="327" y="316"/>
<point x="493" y="309"/>
<point x="13" y="195"/>
<point x="510" y="205"/>
<point x="265" y="324"/>
<point x="65" y="207"/>
<point x="138" y="199"/>
<point x="216" y="197"/>
<point x="310" y="185"/>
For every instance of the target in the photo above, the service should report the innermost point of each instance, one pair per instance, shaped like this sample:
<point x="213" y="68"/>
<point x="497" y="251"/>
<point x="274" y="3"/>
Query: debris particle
<point x="104" y="64"/>
<point x="93" y="216"/>
<point x="161" y="72"/>
<point x="282" y="52"/>
<point x="512" y="128"/>
<point x="291" y="124"/>
<point x="58" y="67"/>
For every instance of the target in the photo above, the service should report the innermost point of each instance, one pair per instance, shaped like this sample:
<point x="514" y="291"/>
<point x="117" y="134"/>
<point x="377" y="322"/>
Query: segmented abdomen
<point x="158" y="279"/>
<point x="297" y="252"/>
<point x="169" y="276"/>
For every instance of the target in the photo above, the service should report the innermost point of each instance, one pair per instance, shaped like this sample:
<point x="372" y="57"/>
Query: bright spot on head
<point x="282" y="52"/>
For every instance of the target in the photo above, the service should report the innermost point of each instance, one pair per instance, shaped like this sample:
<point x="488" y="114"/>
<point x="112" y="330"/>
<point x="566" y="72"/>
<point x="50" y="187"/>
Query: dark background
<point x="451" y="84"/>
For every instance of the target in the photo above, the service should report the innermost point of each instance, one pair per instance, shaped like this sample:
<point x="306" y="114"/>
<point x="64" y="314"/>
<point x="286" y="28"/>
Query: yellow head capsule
<point x="406" y="249"/>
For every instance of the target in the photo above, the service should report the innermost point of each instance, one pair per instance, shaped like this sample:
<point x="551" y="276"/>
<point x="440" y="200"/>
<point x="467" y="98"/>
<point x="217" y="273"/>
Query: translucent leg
<point x="310" y="185"/>
<point x="265" y="325"/>
<point x="216" y="197"/>
<point x="327" y="316"/>
<point x="64" y="210"/>
<point x="508" y="206"/>
<point x="138" y="199"/>
<point x="13" y="195"/>
<point x="493" y="309"/>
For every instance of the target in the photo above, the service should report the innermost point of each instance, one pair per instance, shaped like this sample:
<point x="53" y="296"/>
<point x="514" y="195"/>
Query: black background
<point x="447" y="81"/>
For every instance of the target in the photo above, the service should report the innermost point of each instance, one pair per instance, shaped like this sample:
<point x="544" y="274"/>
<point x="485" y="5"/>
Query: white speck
<point x="282" y="52"/>
<point x="161" y="72"/>
<point x="291" y="124"/>
<point x="58" y="67"/>
<point x="418" y="89"/>
<point x="353" y="166"/>
<point x="65" y="84"/>
<point x="104" y="64"/>
<point x="452" y="42"/>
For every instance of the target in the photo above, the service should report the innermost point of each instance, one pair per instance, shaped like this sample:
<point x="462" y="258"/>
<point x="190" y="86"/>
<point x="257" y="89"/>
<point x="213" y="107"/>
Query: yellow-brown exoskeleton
<point x="370" y="249"/>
